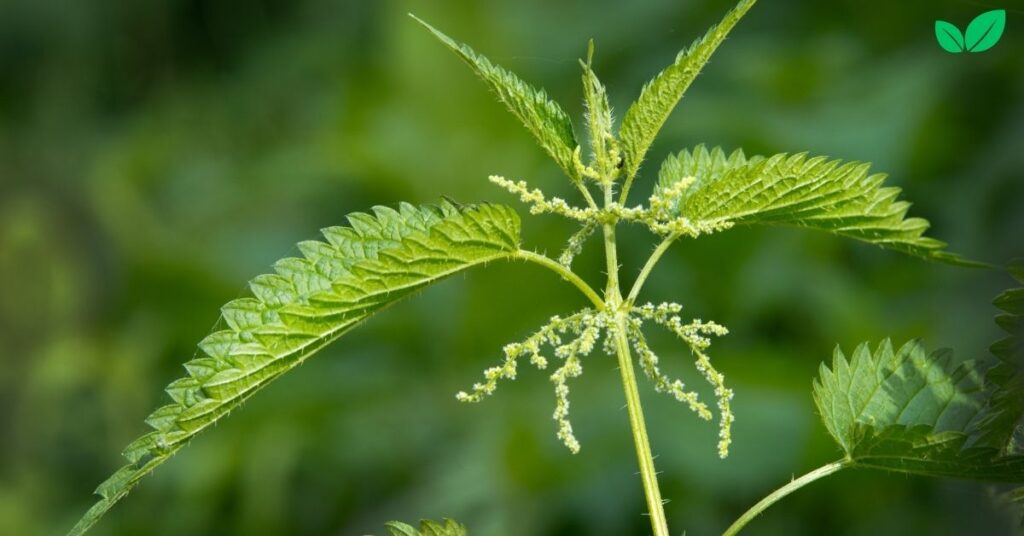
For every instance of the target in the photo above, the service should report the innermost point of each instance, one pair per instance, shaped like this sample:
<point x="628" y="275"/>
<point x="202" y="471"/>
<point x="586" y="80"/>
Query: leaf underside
<point x="308" y="303"/>
<point x="643" y="120"/>
<point x="543" y="117"/>
<point x="812" y="192"/>
<point x="911" y="412"/>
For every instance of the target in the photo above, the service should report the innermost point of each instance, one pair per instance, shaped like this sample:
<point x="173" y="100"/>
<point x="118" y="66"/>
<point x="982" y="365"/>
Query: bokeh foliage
<point x="155" y="156"/>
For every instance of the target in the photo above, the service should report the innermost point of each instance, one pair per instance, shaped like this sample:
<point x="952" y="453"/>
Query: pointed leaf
<point x="397" y="528"/>
<point x="543" y="117"/>
<point x="910" y="412"/>
<point x="817" y="193"/>
<point x="985" y="30"/>
<point x="645" y="117"/>
<point x="427" y="528"/>
<point x="308" y="304"/>
<point x="599" y="112"/>
<point x="949" y="37"/>
<point x="1004" y="412"/>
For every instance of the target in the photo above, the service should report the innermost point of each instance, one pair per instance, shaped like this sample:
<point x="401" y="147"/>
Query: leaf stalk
<point x="778" y="494"/>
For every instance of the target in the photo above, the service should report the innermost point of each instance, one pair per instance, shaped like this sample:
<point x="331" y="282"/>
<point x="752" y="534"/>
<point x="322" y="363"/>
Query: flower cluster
<point x="603" y="169"/>
<point x="540" y="204"/>
<point x="695" y="335"/>
<point x="660" y="216"/>
<point x="585" y="328"/>
<point x="649" y="364"/>
<point x="573" y="337"/>
<point x="575" y="244"/>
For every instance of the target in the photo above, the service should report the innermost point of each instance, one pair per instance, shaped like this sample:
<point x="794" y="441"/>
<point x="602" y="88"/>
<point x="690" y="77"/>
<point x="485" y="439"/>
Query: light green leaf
<point x="397" y="528"/>
<point x="308" y="303"/>
<point x="645" y="117"/>
<point x="599" y="113"/>
<point x="985" y="30"/>
<point x="427" y="528"/>
<point x="812" y="192"/>
<point x="949" y="37"/>
<point x="910" y="412"/>
<point x="543" y="117"/>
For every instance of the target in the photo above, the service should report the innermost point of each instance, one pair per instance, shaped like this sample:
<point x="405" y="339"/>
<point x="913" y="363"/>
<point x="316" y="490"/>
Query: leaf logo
<point x="982" y="33"/>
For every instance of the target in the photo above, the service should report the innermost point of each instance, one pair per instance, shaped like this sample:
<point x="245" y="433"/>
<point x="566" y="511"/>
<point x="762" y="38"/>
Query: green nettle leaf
<point x="645" y="117"/>
<point x="1000" y="425"/>
<point x="900" y="410"/>
<point x="985" y="30"/>
<point x="427" y="528"/>
<point x="599" y="112"/>
<point x="308" y="303"/>
<point x="1005" y="410"/>
<point x="931" y="415"/>
<point x="910" y="412"/>
<point x="543" y="117"/>
<point x="813" y="192"/>
<point x="949" y="37"/>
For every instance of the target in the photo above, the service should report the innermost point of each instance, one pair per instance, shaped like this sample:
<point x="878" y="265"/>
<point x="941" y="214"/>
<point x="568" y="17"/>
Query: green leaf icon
<point x="985" y="30"/>
<point x="949" y="36"/>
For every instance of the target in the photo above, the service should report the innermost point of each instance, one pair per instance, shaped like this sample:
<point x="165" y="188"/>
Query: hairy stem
<point x="611" y="292"/>
<point x="637" y="425"/>
<point x="648" y="474"/>
<point x="638" y="285"/>
<point x="565" y="273"/>
<point x="625" y="190"/>
<point x="778" y="494"/>
<point x="581" y="185"/>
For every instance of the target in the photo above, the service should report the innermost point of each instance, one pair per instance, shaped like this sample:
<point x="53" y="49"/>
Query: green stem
<point x="613" y="299"/>
<point x="566" y="274"/>
<point x="626" y="185"/>
<point x="582" y="187"/>
<point x="749" y="515"/>
<point x="612" y="264"/>
<point x="611" y="254"/>
<point x="648" y="474"/>
<point x="638" y="285"/>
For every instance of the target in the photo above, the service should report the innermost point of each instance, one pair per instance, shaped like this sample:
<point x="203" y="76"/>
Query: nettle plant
<point x="900" y="410"/>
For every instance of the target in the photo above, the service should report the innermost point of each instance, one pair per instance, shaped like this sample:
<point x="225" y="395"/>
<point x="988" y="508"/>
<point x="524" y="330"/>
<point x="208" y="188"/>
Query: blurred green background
<point x="156" y="155"/>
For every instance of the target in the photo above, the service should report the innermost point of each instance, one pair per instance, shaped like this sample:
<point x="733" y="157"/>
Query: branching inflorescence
<point x="379" y="258"/>
<point x="659" y="216"/>
<point x="584" y="329"/>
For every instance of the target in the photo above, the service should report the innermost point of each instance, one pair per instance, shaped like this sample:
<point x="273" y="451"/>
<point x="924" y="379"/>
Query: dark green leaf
<point x="1005" y="381"/>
